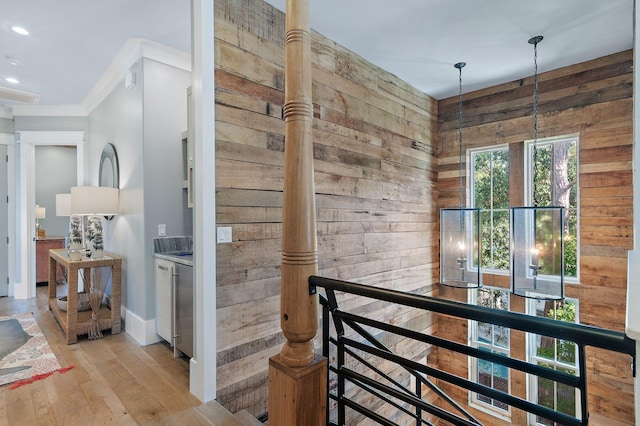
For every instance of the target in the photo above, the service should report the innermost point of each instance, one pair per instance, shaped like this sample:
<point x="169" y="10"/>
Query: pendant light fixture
<point x="460" y="230"/>
<point x="537" y="260"/>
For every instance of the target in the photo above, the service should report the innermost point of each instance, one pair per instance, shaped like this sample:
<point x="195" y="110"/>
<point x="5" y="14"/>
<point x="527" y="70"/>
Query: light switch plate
<point x="224" y="234"/>
<point x="162" y="230"/>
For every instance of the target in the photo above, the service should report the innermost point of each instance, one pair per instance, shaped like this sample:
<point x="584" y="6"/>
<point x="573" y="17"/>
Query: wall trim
<point x="57" y="137"/>
<point x="143" y="331"/>
<point x="49" y="110"/>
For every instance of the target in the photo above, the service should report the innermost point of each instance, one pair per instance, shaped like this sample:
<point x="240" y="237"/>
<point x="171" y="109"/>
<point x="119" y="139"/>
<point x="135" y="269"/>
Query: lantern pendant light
<point x="537" y="244"/>
<point x="460" y="231"/>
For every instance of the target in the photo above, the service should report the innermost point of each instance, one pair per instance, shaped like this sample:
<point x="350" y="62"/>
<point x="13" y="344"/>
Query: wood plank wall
<point x="375" y="174"/>
<point x="594" y="100"/>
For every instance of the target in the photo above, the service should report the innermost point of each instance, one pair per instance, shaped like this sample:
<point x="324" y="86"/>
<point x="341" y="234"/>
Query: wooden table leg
<point x="52" y="278"/>
<point x="72" y="305"/>
<point x="116" y="274"/>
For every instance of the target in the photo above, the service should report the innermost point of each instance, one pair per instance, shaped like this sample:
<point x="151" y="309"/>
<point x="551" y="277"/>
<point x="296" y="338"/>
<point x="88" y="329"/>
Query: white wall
<point x="144" y="123"/>
<point x="165" y="119"/>
<point x="118" y="120"/>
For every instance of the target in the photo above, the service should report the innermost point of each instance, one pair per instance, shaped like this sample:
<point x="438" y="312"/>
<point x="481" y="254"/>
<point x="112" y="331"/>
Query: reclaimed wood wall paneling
<point x="594" y="100"/>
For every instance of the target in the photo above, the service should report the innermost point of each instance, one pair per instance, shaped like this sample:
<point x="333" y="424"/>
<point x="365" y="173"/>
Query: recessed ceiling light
<point x="13" y="61"/>
<point x="12" y="80"/>
<point x="20" y="30"/>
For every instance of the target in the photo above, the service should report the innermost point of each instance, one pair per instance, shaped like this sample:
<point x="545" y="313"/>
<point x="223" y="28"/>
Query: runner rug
<point x="25" y="355"/>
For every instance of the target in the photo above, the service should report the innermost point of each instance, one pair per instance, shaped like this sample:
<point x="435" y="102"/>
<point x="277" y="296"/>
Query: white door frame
<point x="8" y="139"/>
<point x="26" y="141"/>
<point x="202" y="377"/>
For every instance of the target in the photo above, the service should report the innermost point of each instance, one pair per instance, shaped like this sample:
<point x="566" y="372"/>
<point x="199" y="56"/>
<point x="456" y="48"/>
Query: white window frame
<point x="532" y="357"/>
<point x="528" y="187"/>
<point x="471" y="190"/>
<point x="473" y="362"/>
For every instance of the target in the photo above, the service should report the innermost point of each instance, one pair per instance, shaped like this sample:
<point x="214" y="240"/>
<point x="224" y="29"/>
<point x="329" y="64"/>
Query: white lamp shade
<point x="94" y="200"/>
<point x="63" y="204"/>
<point x="40" y="212"/>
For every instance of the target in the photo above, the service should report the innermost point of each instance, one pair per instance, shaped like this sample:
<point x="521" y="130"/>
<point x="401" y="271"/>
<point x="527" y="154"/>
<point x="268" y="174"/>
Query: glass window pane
<point x="500" y="382"/>
<point x="485" y="235"/>
<point x="501" y="335"/>
<point x="488" y="337"/>
<point x="566" y="397"/>
<point x="501" y="179"/>
<point x="490" y="182"/>
<point x="546" y="347"/>
<point x="566" y="352"/>
<point x="482" y="180"/>
<point x="484" y="332"/>
<point x="559" y="354"/>
<point x="546" y="392"/>
<point x="554" y="177"/>
<point x="500" y="240"/>
<point x="485" y="298"/>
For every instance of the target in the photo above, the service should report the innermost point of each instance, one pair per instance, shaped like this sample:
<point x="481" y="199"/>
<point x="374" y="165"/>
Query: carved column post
<point x="299" y="249"/>
<point x="297" y="379"/>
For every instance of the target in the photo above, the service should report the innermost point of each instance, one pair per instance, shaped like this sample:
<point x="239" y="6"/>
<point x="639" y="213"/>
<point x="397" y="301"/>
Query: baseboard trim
<point x="143" y="331"/>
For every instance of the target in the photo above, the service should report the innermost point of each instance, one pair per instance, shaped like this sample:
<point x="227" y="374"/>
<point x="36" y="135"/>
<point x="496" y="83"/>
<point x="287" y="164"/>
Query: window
<point x="552" y="180"/>
<point x="555" y="354"/>
<point x="491" y="338"/>
<point x="490" y="193"/>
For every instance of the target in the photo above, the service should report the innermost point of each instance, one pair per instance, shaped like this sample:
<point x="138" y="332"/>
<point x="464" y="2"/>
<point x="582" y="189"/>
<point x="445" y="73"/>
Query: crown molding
<point x="16" y="95"/>
<point x="51" y="137"/>
<point x="134" y="49"/>
<point x="49" y="110"/>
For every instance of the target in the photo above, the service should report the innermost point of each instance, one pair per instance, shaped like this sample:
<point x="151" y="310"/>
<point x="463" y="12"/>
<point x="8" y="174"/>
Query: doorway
<point x="25" y="282"/>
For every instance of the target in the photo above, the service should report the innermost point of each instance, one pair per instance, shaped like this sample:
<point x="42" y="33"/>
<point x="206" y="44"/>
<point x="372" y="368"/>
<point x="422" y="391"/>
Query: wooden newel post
<point x="297" y="378"/>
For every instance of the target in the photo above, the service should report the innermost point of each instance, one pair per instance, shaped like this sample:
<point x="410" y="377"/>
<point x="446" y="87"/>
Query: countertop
<point x="184" y="258"/>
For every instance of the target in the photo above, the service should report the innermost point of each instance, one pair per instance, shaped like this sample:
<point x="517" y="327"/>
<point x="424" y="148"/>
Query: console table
<point x="75" y="323"/>
<point x="43" y="245"/>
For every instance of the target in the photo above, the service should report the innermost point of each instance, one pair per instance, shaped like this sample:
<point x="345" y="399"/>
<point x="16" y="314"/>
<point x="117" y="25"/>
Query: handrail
<point x="578" y="333"/>
<point x="582" y="335"/>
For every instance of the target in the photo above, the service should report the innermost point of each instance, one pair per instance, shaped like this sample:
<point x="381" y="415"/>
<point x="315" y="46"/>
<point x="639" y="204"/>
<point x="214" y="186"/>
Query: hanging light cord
<point x="460" y="65"/>
<point x="535" y="40"/>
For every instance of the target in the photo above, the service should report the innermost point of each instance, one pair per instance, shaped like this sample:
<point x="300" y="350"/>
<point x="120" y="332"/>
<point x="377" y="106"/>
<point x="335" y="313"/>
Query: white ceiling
<point x="73" y="41"/>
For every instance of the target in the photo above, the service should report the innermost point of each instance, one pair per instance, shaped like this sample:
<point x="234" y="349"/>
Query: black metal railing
<point x="410" y="402"/>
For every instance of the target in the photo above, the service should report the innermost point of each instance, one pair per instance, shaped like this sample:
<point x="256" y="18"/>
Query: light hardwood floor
<point x="115" y="381"/>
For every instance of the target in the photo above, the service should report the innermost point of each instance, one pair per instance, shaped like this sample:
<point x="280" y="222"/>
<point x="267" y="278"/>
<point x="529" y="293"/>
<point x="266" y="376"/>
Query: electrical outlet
<point x="224" y="234"/>
<point x="162" y="230"/>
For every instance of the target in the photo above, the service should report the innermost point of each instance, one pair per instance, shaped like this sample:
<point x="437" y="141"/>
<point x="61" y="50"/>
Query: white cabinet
<point x="164" y="299"/>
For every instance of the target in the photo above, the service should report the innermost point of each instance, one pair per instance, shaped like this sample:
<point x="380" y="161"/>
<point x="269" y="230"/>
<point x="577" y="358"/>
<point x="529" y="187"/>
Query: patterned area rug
<point x="25" y="355"/>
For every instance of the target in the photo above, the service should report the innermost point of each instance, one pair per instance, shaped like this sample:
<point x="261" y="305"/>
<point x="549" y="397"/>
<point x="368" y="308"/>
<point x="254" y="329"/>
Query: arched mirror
<point x="109" y="175"/>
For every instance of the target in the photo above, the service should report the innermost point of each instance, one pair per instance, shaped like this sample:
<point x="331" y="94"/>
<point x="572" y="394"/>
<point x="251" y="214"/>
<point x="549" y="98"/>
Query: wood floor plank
<point x="3" y="408"/>
<point x="115" y="381"/>
<point x="21" y="404"/>
<point x="43" y="411"/>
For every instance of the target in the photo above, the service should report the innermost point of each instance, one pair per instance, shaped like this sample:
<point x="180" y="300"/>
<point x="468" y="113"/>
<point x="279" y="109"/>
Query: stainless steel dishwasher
<point x="183" y="314"/>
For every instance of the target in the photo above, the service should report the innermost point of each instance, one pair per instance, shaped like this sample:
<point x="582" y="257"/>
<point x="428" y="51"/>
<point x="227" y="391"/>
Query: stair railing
<point x="411" y="402"/>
